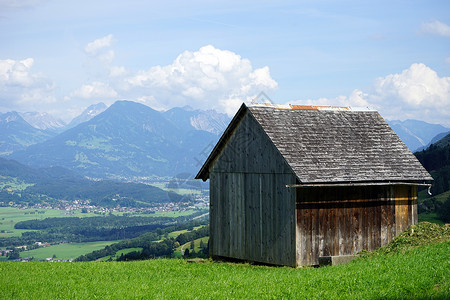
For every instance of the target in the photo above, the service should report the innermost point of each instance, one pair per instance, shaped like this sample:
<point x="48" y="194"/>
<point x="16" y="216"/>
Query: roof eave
<point x="362" y="183"/>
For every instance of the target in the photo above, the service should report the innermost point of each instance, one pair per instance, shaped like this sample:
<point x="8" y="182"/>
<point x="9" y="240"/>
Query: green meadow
<point x="65" y="251"/>
<point x="9" y="216"/>
<point x="418" y="273"/>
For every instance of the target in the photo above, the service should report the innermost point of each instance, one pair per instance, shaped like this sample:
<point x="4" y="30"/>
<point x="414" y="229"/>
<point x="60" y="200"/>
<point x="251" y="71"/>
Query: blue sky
<point x="61" y="56"/>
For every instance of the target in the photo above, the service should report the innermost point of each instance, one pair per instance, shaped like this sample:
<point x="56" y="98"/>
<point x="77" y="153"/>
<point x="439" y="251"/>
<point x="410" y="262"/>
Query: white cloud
<point x="14" y="72"/>
<point x="437" y="28"/>
<point x="116" y="71"/>
<point x="417" y="86"/>
<point x="21" y="88"/>
<point x="207" y="78"/>
<point x="93" y="48"/>
<point x="416" y="93"/>
<point x="96" y="90"/>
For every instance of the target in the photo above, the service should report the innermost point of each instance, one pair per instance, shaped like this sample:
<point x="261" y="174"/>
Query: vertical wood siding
<point x="345" y="220"/>
<point x="252" y="213"/>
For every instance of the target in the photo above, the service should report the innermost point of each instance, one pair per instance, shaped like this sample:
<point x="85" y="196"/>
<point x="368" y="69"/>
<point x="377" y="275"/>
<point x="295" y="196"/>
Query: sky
<point x="62" y="56"/>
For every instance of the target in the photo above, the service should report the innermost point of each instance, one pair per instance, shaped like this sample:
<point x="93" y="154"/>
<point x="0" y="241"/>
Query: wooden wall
<point x="252" y="213"/>
<point x="335" y="221"/>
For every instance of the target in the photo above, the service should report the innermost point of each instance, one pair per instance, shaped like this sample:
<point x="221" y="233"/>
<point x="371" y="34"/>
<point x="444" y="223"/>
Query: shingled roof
<point x="332" y="145"/>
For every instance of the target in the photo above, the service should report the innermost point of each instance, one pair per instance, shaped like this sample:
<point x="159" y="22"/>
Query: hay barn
<point x="292" y="184"/>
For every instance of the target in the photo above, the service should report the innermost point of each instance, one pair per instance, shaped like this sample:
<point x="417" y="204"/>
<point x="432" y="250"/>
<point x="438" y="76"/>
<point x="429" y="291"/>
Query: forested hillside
<point x="436" y="159"/>
<point x="24" y="185"/>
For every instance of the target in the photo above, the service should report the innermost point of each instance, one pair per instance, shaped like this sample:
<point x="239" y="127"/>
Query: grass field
<point x="66" y="251"/>
<point x="12" y="184"/>
<point x="196" y="244"/>
<point x="430" y="217"/>
<point x="119" y="253"/>
<point x="173" y="214"/>
<point x="174" y="234"/>
<point x="181" y="191"/>
<point x="419" y="273"/>
<point x="9" y="216"/>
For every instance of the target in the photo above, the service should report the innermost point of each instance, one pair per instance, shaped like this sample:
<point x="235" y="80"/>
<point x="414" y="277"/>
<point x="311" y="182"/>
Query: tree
<point x="444" y="211"/>
<point x="14" y="255"/>
<point x="186" y="253"/>
<point x="192" y="245"/>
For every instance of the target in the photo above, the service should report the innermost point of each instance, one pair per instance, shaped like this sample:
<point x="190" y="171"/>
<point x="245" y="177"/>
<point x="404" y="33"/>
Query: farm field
<point x="422" y="272"/>
<point x="9" y="216"/>
<point x="174" y="234"/>
<point x="196" y="244"/>
<point x="65" y="251"/>
<point x="119" y="253"/>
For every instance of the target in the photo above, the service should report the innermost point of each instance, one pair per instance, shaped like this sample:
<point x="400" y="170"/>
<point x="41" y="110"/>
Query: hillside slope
<point x="416" y="134"/>
<point x="25" y="185"/>
<point x="436" y="159"/>
<point x="16" y="134"/>
<point x="420" y="273"/>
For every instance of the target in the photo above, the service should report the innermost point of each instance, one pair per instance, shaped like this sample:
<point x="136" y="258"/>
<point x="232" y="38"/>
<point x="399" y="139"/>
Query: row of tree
<point x="101" y="228"/>
<point x="149" y="242"/>
<point x="50" y="185"/>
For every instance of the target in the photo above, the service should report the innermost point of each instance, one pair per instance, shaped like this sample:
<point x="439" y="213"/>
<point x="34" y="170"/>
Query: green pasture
<point x="423" y="194"/>
<point x="181" y="191"/>
<point x="119" y="253"/>
<point x="13" y="184"/>
<point x="65" y="251"/>
<point x="418" y="273"/>
<point x="174" y="214"/>
<point x="174" y="234"/>
<point x="430" y="217"/>
<point x="196" y="244"/>
<point x="9" y="216"/>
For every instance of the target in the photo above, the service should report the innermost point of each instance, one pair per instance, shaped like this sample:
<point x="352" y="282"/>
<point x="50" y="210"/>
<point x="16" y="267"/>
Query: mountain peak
<point x="88" y="113"/>
<point x="414" y="133"/>
<point x="16" y="133"/>
<point x="42" y="121"/>
<point x="10" y="117"/>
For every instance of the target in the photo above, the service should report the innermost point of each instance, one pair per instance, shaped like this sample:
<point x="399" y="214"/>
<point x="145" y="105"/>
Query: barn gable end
<point x="252" y="213"/>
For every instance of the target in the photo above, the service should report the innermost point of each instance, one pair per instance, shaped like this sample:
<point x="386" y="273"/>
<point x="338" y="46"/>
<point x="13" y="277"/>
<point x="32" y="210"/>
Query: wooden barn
<point x="291" y="184"/>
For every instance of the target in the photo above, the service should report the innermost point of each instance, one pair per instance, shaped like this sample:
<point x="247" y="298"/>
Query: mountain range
<point x="17" y="134"/>
<point x="418" y="135"/>
<point x="129" y="140"/>
<point x="49" y="185"/>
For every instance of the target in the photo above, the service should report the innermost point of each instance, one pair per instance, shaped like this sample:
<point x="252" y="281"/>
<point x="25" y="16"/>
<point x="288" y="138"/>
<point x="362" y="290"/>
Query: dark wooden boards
<point x="335" y="221"/>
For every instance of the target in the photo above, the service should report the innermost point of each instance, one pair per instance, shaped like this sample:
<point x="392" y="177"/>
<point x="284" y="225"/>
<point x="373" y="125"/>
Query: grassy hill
<point x="405" y="271"/>
<point x="51" y="186"/>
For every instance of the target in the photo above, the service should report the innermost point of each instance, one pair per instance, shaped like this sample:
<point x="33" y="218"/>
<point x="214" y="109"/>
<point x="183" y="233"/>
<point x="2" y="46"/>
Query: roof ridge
<point x="310" y="107"/>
